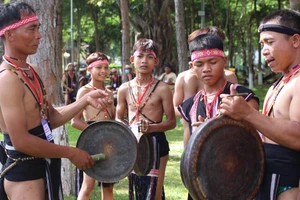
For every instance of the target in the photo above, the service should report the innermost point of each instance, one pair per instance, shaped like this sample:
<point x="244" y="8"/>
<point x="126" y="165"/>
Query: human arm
<point x="77" y="121"/>
<point x="282" y="130"/>
<point x="178" y="94"/>
<point x="62" y="115"/>
<point x="122" y="104"/>
<point x="20" y="113"/>
<point x="168" y="109"/>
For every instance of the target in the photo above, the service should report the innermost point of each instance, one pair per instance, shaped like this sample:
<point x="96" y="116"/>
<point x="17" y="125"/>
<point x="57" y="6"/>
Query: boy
<point x="135" y="96"/>
<point x="208" y="61"/>
<point x="98" y="68"/>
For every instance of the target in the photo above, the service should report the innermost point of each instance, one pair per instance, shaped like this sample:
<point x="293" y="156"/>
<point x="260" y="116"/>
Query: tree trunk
<point x="125" y="36"/>
<point x="49" y="60"/>
<point x="181" y="36"/>
<point x="295" y="4"/>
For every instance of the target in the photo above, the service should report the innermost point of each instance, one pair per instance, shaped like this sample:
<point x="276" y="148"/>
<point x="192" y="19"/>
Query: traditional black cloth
<point x="196" y="104"/>
<point x="282" y="170"/>
<point x="22" y="167"/>
<point x="144" y="187"/>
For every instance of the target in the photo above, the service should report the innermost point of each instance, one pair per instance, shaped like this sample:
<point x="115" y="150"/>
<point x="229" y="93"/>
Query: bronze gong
<point x="145" y="155"/>
<point x="116" y="143"/>
<point x="224" y="159"/>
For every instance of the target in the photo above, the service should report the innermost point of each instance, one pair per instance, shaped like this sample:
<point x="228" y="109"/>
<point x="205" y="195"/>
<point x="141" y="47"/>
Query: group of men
<point x="27" y="117"/>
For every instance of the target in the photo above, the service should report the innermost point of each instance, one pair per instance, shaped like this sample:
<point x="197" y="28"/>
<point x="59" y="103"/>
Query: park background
<point x="72" y="29"/>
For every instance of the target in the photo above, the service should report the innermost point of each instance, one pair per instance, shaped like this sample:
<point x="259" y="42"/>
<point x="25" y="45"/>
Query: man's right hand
<point x="81" y="159"/>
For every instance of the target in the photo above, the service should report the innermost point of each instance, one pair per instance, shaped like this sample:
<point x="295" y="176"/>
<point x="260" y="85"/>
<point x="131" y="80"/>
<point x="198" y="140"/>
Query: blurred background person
<point x="69" y="84"/>
<point x="129" y="73"/>
<point x="168" y="77"/>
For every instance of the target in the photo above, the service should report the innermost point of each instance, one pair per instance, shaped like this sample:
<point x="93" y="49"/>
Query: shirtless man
<point x="188" y="83"/>
<point x="148" y="113"/>
<point x="279" y="123"/>
<point x="98" y="68"/>
<point x="26" y="113"/>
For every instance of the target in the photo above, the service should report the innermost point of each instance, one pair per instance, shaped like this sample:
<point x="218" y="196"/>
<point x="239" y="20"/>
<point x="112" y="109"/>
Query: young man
<point x="129" y="73"/>
<point x="279" y="123"/>
<point x="188" y="83"/>
<point x="69" y="82"/>
<point x="147" y="101"/>
<point x="168" y="77"/>
<point x="26" y="113"/>
<point x="208" y="61"/>
<point x="98" y="68"/>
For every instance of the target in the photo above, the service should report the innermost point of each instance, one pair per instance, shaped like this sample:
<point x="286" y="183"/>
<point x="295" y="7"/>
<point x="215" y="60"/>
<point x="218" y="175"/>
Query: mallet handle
<point x="99" y="156"/>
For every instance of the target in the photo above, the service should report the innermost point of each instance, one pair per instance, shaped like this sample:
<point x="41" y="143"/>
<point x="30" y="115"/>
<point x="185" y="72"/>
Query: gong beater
<point x="116" y="145"/>
<point x="224" y="159"/>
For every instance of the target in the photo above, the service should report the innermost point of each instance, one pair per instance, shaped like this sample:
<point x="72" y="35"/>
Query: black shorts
<point x="162" y="142"/>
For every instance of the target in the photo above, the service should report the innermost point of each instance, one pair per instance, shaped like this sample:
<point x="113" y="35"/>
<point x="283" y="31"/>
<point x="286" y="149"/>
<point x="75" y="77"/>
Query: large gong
<point x="118" y="144"/>
<point x="224" y="159"/>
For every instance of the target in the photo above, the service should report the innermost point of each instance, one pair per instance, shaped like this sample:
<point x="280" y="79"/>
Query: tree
<point x="181" y="36"/>
<point x="125" y="35"/>
<point x="295" y="4"/>
<point x="49" y="60"/>
<point x="152" y="20"/>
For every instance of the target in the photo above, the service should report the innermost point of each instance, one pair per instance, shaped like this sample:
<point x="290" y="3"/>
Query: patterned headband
<point x="98" y="62"/>
<point x="207" y="53"/>
<point x="22" y="22"/>
<point x="144" y="51"/>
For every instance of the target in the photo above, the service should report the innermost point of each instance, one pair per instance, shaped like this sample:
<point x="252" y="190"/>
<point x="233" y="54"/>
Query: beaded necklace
<point x="209" y="106"/>
<point x="37" y="90"/>
<point x="276" y="90"/>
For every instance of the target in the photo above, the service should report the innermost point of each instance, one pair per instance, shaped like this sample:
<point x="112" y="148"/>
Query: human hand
<point x="199" y="122"/>
<point x="234" y="105"/>
<point x="81" y="159"/>
<point x="99" y="99"/>
<point x="144" y="126"/>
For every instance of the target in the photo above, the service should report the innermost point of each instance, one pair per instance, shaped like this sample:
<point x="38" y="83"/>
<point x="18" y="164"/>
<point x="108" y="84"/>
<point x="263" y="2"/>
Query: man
<point x="279" y="123"/>
<point x="129" y="73"/>
<point x="98" y="68"/>
<point x="188" y="83"/>
<point x="82" y="80"/>
<point x="148" y="100"/>
<point x="69" y="82"/>
<point x="115" y="79"/>
<point x="168" y="77"/>
<point x="26" y="113"/>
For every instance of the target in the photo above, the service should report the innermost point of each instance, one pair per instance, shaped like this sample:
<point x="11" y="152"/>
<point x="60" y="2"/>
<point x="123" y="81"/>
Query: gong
<point x="117" y="146"/>
<point x="145" y="155"/>
<point x="224" y="159"/>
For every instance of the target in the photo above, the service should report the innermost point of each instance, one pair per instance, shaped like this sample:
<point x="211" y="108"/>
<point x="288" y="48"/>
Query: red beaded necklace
<point x="106" y="113"/>
<point x="37" y="89"/>
<point x="209" y="106"/>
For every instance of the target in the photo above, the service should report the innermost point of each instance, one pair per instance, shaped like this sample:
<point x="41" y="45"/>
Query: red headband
<point x="22" y="22"/>
<point x="145" y="51"/>
<point x="207" y="53"/>
<point x="98" y="62"/>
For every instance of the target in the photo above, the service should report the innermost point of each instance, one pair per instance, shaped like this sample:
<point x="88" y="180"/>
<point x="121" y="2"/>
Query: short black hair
<point x="288" y="18"/>
<point x="206" y="41"/>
